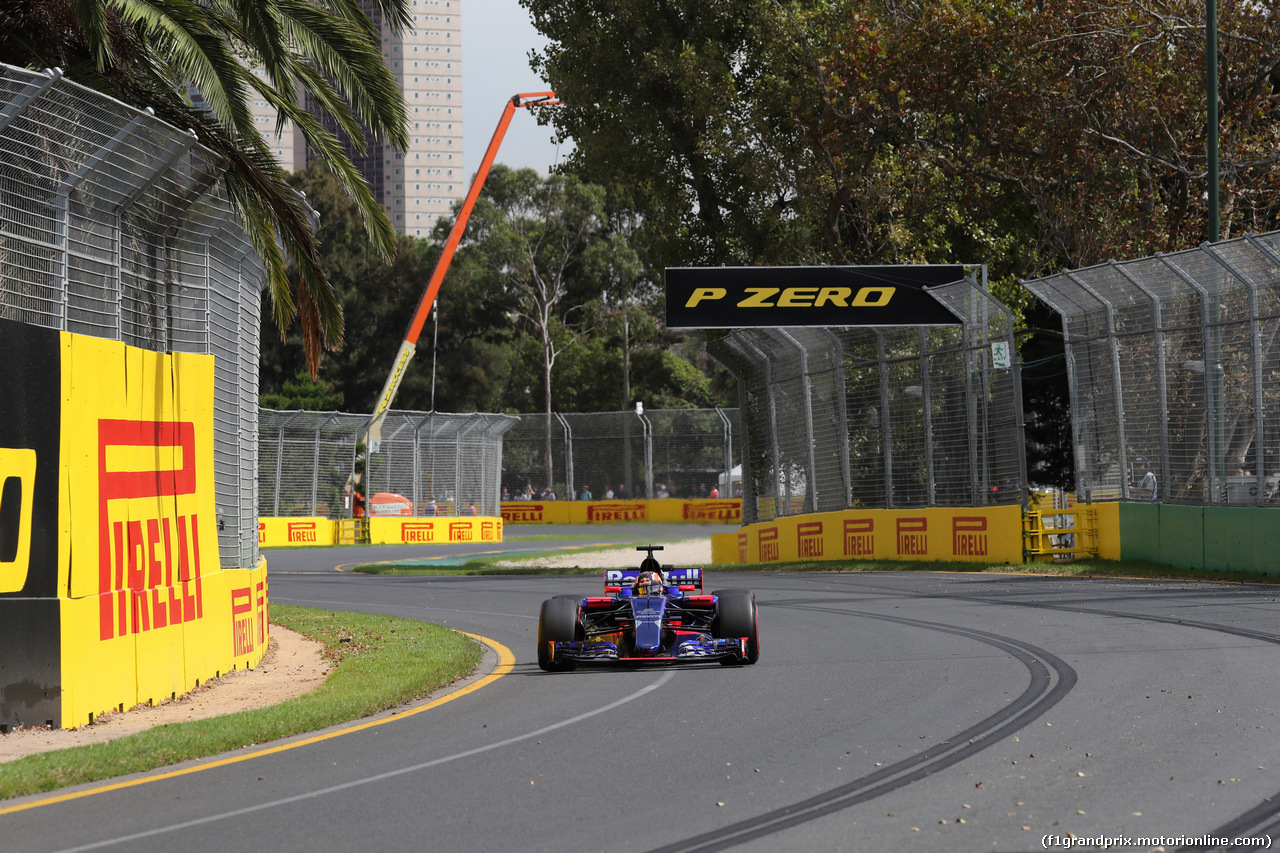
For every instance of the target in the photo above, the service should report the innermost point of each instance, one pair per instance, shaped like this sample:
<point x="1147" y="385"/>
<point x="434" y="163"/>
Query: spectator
<point x="471" y="509"/>
<point x="548" y="494"/>
<point x="662" y="492"/>
<point x="714" y="493"/>
<point x="430" y="509"/>
<point x="506" y="495"/>
<point x="1147" y="488"/>
<point x="608" y="493"/>
<point x="527" y="494"/>
<point x="586" y="493"/>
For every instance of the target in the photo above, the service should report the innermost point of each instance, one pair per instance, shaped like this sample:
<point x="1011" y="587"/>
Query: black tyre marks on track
<point x="1043" y="691"/>
<point x="1264" y="818"/>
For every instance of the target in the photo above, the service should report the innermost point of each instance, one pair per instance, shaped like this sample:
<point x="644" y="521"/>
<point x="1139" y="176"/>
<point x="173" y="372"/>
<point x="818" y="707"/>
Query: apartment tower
<point x="417" y="187"/>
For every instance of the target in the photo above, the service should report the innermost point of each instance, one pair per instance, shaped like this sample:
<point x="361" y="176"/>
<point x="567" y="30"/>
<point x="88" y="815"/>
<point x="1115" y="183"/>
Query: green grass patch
<point x="379" y="663"/>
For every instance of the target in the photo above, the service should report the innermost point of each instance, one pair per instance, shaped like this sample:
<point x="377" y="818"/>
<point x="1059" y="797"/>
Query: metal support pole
<point x="647" y="431"/>
<point x="775" y="454"/>
<point x="1255" y="367"/>
<point x="728" y="452"/>
<point x="1162" y="391"/>
<point x="1209" y="309"/>
<point x="926" y="407"/>
<point x="886" y="423"/>
<point x="568" y="457"/>
<point x="842" y="417"/>
<point x="806" y="384"/>
<point x="1117" y="384"/>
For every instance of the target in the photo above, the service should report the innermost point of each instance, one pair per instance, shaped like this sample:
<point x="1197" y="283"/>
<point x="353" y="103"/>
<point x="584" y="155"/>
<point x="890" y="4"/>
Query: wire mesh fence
<point x="881" y="417"/>
<point x="682" y="453"/>
<point x="1174" y="370"/>
<point x="113" y="224"/>
<point x="310" y="463"/>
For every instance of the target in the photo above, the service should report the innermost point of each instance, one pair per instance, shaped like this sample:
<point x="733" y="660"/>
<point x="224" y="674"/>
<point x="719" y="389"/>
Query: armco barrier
<point x="661" y="511"/>
<point x="988" y="535"/>
<point x="112" y="589"/>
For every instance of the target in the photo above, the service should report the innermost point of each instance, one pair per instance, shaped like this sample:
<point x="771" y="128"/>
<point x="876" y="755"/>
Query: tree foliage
<point x="147" y="52"/>
<point x="1025" y="136"/>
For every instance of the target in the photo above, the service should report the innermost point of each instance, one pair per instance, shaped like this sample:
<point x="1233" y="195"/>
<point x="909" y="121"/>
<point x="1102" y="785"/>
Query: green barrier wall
<point x="1221" y="539"/>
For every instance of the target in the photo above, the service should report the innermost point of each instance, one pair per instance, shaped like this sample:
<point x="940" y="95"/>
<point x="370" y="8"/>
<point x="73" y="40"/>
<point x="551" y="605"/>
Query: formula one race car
<point x="653" y="614"/>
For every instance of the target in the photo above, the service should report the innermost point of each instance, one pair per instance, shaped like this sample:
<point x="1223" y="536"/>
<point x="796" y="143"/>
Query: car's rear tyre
<point x="736" y="616"/>
<point x="557" y="622"/>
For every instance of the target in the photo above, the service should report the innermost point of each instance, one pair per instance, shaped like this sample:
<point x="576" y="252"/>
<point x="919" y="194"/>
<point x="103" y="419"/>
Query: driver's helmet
<point x="649" y="583"/>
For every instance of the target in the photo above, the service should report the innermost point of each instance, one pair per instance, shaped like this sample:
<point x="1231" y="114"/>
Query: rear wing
<point x="688" y="580"/>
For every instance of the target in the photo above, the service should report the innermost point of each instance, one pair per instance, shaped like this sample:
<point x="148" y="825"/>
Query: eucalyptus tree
<point x="148" y="53"/>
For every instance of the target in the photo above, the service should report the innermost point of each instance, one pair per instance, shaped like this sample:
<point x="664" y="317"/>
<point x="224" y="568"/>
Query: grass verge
<point x="379" y="663"/>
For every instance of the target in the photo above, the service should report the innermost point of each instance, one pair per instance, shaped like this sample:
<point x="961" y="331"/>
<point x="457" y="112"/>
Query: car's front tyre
<point x="557" y="622"/>
<point x="737" y="616"/>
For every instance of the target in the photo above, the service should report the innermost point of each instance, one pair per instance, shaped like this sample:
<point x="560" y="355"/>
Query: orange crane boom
<point x="373" y="435"/>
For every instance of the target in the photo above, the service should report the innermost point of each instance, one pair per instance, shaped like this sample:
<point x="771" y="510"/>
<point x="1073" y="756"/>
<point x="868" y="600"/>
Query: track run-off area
<point x="888" y="711"/>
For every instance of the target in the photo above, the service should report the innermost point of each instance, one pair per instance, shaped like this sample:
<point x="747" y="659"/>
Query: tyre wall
<point x="111" y="589"/>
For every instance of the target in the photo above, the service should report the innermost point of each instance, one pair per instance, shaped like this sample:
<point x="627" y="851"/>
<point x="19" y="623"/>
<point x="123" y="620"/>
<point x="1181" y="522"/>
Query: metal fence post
<point x="806" y="384"/>
<point x="1212" y="377"/>
<point x="568" y="457"/>
<point x="1116" y="376"/>
<point x="647" y="433"/>
<point x="1255" y="339"/>
<point x="1162" y="387"/>
<point x="779" y="478"/>
<point x="886" y="422"/>
<point x="728" y="451"/>
<point x="842" y="415"/>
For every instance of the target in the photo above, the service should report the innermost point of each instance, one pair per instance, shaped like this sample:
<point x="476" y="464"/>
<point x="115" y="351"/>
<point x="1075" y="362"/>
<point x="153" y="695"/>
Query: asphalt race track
<point x="913" y="711"/>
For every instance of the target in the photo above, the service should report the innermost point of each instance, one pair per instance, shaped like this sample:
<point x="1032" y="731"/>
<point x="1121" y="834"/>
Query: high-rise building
<point x="417" y="187"/>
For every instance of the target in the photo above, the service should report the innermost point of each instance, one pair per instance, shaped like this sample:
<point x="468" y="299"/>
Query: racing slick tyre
<point x="736" y="617"/>
<point x="557" y="621"/>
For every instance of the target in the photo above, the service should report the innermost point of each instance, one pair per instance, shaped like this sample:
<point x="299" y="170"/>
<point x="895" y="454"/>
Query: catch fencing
<point x="444" y="463"/>
<point x="889" y="418"/>
<point x="114" y="224"/>
<point x="682" y="453"/>
<point x="1174" y="360"/>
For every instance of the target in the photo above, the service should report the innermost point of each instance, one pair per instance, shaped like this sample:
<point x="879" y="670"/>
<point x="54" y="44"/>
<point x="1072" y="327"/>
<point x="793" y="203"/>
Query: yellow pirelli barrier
<point x="146" y="611"/>
<point x="987" y="535"/>
<point x="664" y="511"/>
<point x="295" y="532"/>
<point x="403" y="530"/>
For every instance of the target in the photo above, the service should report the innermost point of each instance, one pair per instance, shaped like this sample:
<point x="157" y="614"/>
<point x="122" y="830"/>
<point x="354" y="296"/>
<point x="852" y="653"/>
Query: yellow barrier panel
<point x="434" y="531"/>
<point x="664" y="511"/>
<point x="145" y="609"/>
<point x="988" y="535"/>
<point x="283" y="532"/>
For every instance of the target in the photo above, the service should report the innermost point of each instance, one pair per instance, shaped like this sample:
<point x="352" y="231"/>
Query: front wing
<point x="687" y="647"/>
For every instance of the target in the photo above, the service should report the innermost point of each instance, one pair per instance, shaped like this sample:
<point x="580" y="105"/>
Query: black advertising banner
<point x="749" y="297"/>
<point x="30" y="424"/>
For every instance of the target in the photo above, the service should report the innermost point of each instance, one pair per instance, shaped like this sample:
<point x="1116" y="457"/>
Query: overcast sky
<point x="496" y="39"/>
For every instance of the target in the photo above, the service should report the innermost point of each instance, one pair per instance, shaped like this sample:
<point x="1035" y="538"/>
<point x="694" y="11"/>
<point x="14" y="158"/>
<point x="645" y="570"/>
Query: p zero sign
<point x="747" y="297"/>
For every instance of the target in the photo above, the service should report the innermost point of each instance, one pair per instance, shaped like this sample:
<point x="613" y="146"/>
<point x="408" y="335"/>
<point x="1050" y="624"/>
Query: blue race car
<point x="653" y="614"/>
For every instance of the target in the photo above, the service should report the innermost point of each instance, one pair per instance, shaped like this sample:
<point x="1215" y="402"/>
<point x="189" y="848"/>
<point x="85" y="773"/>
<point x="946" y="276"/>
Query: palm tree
<point x="147" y="52"/>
